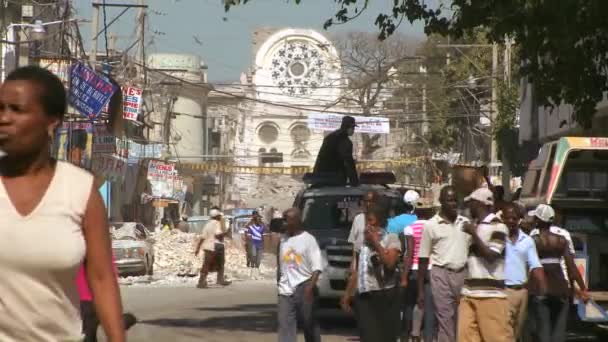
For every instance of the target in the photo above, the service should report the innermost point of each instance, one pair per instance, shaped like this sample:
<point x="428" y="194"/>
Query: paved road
<point x="245" y="311"/>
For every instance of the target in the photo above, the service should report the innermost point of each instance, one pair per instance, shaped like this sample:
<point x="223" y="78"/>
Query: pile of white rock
<point x="176" y="265"/>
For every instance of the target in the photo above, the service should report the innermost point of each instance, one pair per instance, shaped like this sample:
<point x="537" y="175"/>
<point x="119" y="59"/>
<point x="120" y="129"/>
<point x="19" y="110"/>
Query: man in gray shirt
<point x="447" y="247"/>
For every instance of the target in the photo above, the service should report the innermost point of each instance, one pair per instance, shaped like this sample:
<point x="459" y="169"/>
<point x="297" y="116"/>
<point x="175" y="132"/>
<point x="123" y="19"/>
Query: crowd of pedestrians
<point x="477" y="272"/>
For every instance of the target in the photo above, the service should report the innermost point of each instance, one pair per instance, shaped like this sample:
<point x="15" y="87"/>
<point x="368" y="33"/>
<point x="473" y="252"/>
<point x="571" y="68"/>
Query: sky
<point x="225" y="37"/>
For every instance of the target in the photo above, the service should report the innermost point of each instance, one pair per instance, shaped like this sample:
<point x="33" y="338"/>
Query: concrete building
<point x="538" y="124"/>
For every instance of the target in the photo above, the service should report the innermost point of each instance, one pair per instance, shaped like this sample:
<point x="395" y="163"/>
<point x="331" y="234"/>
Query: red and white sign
<point x="132" y="99"/>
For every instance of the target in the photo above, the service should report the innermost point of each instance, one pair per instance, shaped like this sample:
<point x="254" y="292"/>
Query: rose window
<point x="298" y="68"/>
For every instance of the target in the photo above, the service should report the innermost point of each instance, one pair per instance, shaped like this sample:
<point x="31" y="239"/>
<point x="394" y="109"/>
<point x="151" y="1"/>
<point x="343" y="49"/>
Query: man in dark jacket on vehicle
<point x="336" y="153"/>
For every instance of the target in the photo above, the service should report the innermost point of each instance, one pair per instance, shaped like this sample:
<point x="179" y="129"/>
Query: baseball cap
<point x="411" y="197"/>
<point x="348" y="121"/>
<point x="543" y="212"/>
<point x="483" y="195"/>
<point x="215" y="213"/>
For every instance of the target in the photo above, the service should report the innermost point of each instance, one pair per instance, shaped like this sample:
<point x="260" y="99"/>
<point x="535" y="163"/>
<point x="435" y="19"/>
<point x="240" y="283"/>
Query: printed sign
<point x="89" y="92"/>
<point x="103" y="141"/>
<point x="74" y="143"/>
<point x="132" y="98"/>
<point x="331" y="122"/>
<point x="134" y="151"/>
<point x="164" y="179"/>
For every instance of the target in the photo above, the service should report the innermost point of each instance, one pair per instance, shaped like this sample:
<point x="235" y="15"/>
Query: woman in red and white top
<point x="412" y="316"/>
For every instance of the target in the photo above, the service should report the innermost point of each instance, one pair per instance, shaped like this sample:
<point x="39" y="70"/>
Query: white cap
<point x="483" y="195"/>
<point x="543" y="212"/>
<point x="215" y="213"/>
<point x="411" y="197"/>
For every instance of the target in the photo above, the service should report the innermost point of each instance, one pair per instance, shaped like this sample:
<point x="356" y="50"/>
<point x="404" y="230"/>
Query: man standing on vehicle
<point x="299" y="269"/>
<point x="212" y="242"/>
<point x="447" y="246"/>
<point x="336" y="153"/>
<point x="483" y="312"/>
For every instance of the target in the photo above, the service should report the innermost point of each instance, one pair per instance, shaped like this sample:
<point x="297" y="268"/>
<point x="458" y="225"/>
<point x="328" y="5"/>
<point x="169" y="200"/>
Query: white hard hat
<point x="411" y="197"/>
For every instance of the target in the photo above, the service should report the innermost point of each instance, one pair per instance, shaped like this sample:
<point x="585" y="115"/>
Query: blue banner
<point x="89" y="92"/>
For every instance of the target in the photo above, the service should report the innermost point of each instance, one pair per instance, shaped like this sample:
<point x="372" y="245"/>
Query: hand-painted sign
<point x="365" y="124"/>
<point x="131" y="103"/>
<point x="110" y="167"/>
<point x="89" y="92"/>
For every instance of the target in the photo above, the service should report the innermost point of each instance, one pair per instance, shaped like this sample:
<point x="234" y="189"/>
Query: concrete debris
<point x="176" y="265"/>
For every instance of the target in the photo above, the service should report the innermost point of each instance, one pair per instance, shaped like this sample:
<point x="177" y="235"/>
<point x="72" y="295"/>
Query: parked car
<point x="133" y="248"/>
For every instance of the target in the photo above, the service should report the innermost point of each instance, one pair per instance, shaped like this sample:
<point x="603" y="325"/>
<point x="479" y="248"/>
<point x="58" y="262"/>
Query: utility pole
<point x="506" y="166"/>
<point x="141" y="55"/>
<point x="494" y="148"/>
<point x="94" y="33"/>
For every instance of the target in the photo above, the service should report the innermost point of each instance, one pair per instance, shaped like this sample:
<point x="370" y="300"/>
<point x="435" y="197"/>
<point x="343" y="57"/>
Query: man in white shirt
<point x="211" y="240"/>
<point x="299" y="269"/>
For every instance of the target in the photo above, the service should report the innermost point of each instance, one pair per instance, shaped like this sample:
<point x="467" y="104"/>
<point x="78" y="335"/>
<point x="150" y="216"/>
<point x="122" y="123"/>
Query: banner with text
<point x="365" y="124"/>
<point x="89" y="92"/>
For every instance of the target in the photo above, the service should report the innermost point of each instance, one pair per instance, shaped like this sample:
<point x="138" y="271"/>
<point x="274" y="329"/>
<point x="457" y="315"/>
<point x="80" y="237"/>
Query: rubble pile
<point x="176" y="265"/>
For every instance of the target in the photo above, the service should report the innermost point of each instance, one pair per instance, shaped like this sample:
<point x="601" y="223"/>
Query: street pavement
<point x="244" y="311"/>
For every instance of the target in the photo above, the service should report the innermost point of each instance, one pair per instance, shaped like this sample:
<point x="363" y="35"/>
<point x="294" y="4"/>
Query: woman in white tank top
<point x="51" y="219"/>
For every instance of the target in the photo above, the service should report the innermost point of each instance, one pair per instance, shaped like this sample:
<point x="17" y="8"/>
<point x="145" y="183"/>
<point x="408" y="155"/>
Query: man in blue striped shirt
<point x="255" y="232"/>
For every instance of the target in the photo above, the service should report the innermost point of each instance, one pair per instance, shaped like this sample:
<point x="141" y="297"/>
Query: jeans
<point x="428" y="312"/>
<point x="550" y="318"/>
<point x="294" y="309"/>
<point x="378" y="313"/>
<point x="257" y="251"/>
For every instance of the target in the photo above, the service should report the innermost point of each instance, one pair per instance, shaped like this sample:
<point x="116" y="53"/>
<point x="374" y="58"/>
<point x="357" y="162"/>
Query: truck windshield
<point x="330" y="212"/>
<point x="334" y="212"/>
